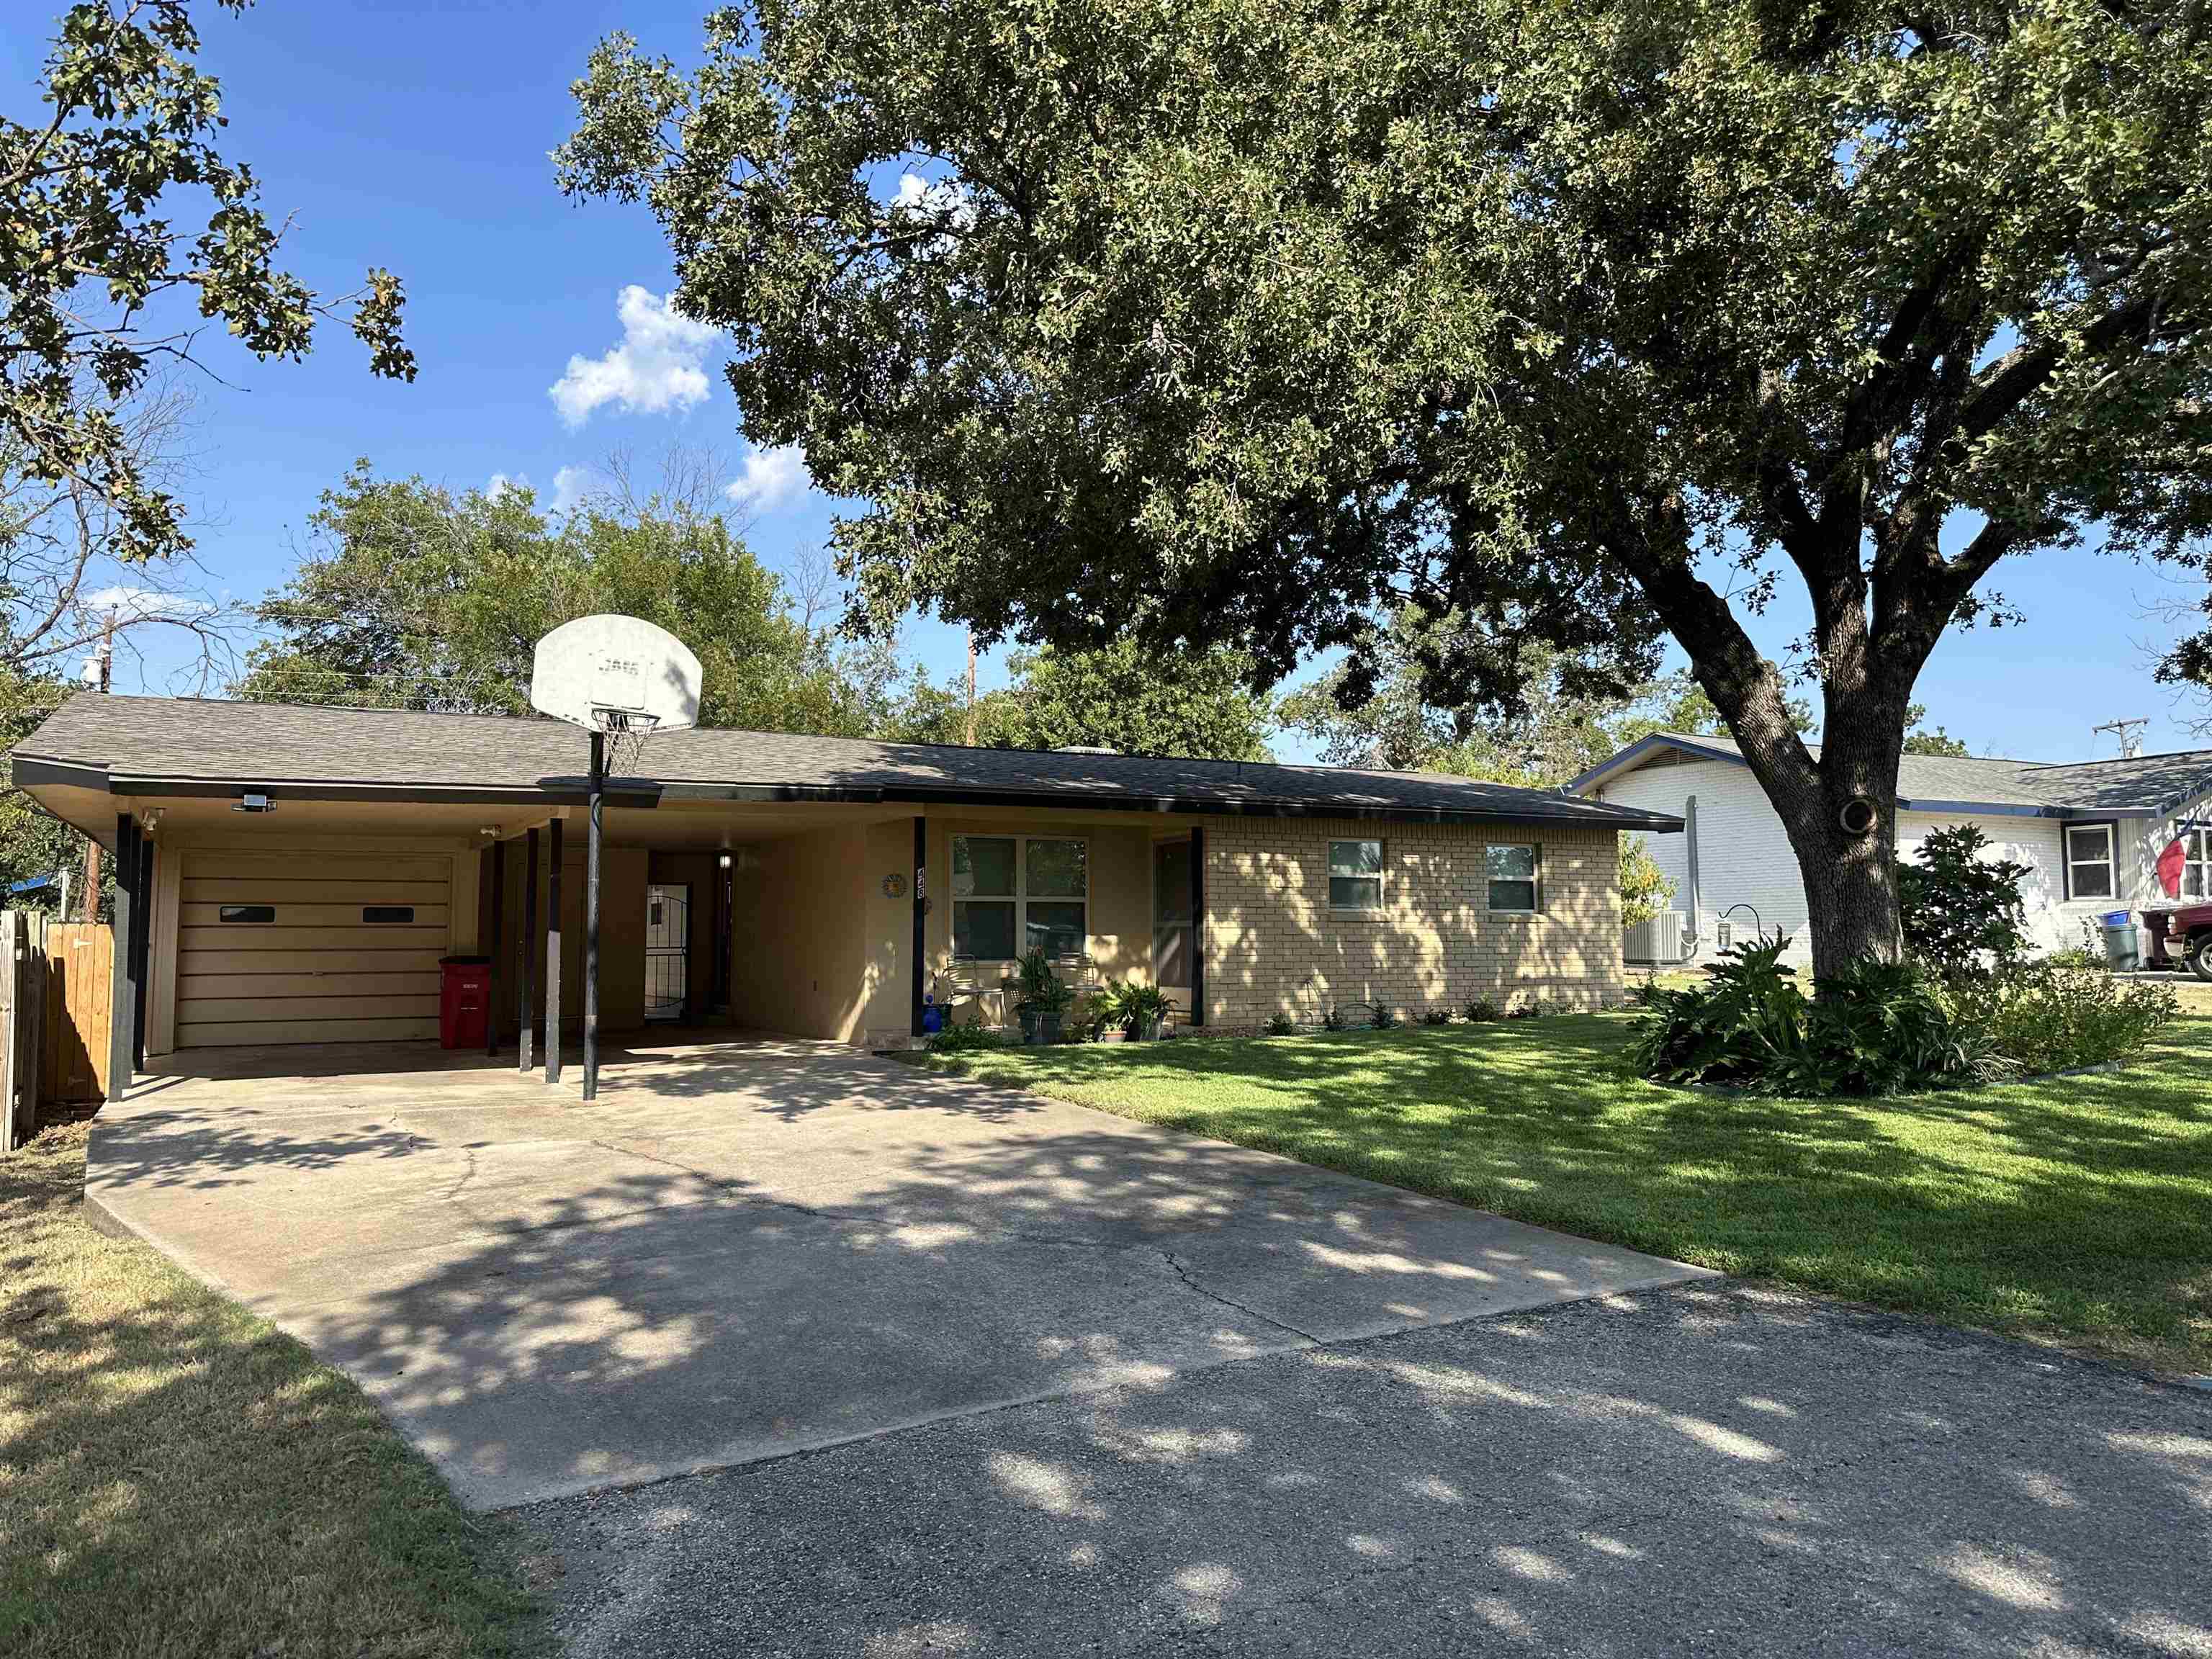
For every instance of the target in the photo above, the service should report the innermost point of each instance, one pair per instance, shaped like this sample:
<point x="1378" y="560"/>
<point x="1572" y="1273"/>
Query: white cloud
<point x="130" y="604"/>
<point x="570" y="485"/>
<point x="771" y="477"/>
<point x="659" y="366"/>
<point x="500" y="483"/>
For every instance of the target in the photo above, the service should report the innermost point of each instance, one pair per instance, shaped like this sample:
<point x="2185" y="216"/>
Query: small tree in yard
<point x="1645" y="888"/>
<point x="1580" y="321"/>
<point x="1960" y="907"/>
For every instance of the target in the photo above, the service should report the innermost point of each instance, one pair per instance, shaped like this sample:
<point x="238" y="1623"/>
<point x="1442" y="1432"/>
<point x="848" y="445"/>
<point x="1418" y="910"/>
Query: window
<point x="2197" y="873"/>
<point x="247" y="913"/>
<point x="2089" y="862"/>
<point x="1013" y="894"/>
<point x="1355" y="875"/>
<point x="1512" y="872"/>
<point x="386" y="914"/>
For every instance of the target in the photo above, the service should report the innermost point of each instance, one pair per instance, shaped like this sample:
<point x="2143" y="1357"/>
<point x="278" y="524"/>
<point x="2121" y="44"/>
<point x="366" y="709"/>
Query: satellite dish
<point x="616" y="674"/>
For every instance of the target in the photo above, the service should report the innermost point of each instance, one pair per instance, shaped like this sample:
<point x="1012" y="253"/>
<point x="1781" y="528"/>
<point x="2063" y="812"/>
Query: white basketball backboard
<point x="613" y="673"/>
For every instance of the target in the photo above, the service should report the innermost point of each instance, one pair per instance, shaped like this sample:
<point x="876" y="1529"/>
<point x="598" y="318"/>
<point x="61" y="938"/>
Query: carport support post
<point x="123" y="1000"/>
<point x="491" y="956"/>
<point x="592" y="918"/>
<point x="526" y="956"/>
<point x="553" y="959"/>
<point x="142" y="936"/>
<point x="920" y="911"/>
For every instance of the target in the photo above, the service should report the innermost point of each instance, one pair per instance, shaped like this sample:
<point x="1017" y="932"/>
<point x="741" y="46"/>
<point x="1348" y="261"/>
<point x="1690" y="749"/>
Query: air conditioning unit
<point x="1657" y="942"/>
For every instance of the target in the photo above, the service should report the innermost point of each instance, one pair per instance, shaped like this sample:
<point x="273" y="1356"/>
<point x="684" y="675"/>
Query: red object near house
<point x="464" y="1001"/>
<point x="2170" y="864"/>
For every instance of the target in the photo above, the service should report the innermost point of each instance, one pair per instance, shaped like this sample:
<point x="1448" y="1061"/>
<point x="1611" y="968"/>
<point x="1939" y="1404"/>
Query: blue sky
<point x="415" y="135"/>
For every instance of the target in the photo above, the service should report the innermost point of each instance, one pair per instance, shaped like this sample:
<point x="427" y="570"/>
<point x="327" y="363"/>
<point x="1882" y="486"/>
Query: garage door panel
<point x="290" y="914"/>
<point x="412" y="961"/>
<point x="199" y="987"/>
<point x="215" y="1010"/>
<point x="234" y="938"/>
<point x="316" y="972"/>
<point x="203" y="890"/>
<point x="251" y="1032"/>
<point x="302" y="863"/>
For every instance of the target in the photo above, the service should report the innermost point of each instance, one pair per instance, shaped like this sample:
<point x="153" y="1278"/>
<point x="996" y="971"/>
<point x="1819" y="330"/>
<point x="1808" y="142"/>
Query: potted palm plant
<point x="1139" y="1009"/>
<point x="1044" y="997"/>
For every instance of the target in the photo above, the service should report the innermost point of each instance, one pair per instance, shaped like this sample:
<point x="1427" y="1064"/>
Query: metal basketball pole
<point x="592" y="917"/>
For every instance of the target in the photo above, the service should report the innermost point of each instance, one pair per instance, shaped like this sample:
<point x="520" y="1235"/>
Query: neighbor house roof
<point x="161" y="745"/>
<point x="2146" y="785"/>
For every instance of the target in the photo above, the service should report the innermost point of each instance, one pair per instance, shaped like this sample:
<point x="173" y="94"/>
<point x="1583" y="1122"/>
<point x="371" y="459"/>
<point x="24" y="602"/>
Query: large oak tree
<point x="1255" y="320"/>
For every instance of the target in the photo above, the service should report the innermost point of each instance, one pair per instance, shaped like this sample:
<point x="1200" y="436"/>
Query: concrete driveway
<point x="745" y="1249"/>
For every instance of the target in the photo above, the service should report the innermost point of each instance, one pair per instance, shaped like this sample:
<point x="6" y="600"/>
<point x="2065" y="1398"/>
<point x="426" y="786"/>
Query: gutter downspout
<point x="1697" y="897"/>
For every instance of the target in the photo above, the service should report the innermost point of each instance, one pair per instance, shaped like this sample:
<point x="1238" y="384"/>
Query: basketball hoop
<point x="622" y="679"/>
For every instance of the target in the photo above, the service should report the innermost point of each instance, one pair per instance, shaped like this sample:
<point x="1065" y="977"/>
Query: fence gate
<point x="23" y="1024"/>
<point x="80" y="979"/>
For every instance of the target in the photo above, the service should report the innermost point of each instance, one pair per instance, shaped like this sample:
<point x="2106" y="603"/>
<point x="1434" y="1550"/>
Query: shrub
<point x="1333" y="1020"/>
<point x="1129" y="1005"/>
<point x="953" y="1039"/>
<point x="2051" y="1015"/>
<point x="1645" y="888"/>
<point x="1436" y="1017"/>
<point x="1481" y="1009"/>
<point x="1280" y="1023"/>
<point x="1961" y="912"/>
<point x="1382" y="1016"/>
<point x="1875" y="1028"/>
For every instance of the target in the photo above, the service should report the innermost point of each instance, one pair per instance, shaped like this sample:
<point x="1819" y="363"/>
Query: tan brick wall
<point x="1272" y="943"/>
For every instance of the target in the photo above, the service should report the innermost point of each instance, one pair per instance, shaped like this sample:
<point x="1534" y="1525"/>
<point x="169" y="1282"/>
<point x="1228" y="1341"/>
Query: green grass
<point x="2076" y="1210"/>
<point x="177" y="1478"/>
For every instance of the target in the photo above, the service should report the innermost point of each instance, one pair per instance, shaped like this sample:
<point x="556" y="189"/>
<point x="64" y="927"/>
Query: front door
<point x="1171" y="920"/>
<point x="667" y="953"/>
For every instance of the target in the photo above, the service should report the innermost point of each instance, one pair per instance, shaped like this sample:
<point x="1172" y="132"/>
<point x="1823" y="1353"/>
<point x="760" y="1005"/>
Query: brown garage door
<point x="309" y="947"/>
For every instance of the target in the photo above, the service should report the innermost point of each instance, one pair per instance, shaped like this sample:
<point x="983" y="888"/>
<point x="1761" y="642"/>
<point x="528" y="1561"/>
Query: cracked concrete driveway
<point x="743" y="1250"/>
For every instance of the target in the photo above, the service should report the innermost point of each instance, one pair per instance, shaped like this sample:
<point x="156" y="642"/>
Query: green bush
<point x="1382" y="1016"/>
<point x="1875" y="1028"/>
<point x="1436" y="1017"/>
<point x="1280" y="1025"/>
<point x="1129" y="1005"/>
<point x="1480" y="1010"/>
<point x="1961" y="912"/>
<point x="1645" y="888"/>
<point x="2053" y="1015"/>
<point x="953" y="1039"/>
<point x="1333" y="1020"/>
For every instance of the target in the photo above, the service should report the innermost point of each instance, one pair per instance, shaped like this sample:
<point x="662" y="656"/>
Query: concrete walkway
<point x="742" y="1250"/>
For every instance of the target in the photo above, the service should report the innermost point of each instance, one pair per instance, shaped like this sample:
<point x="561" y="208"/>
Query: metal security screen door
<point x="1171" y="916"/>
<point x="667" y="953"/>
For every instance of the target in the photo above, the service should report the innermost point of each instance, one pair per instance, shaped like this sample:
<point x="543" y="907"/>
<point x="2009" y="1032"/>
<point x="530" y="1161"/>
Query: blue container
<point x="2116" y="918"/>
<point x="932" y="1019"/>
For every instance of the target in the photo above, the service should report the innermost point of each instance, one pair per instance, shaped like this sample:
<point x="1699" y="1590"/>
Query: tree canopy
<point x="99" y="282"/>
<point x="1120" y="696"/>
<point x="415" y="596"/>
<point x="1251" y="323"/>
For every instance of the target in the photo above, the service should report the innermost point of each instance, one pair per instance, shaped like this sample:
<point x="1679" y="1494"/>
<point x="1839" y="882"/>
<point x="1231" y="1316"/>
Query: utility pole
<point x="91" y="847"/>
<point x="2126" y="732"/>
<point x="971" y="688"/>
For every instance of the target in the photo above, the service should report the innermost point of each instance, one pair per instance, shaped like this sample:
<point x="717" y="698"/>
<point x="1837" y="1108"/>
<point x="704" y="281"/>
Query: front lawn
<point x="176" y="1477"/>
<point x="2074" y="1209"/>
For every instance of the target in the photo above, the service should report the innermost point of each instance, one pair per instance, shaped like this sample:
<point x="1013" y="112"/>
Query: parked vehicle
<point x="2191" y="932"/>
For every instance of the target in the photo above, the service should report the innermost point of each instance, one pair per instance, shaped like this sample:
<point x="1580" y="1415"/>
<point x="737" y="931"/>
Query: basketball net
<point x="626" y="732"/>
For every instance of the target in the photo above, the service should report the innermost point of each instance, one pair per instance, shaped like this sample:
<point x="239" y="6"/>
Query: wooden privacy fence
<point x="54" y="993"/>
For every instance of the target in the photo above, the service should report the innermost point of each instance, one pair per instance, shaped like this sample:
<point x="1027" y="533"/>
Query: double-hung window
<point x="2089" y="862"/>
<point x="1014" y="894"/>
<point x="1355" y="875"/>
<point x="1511" y="870"/>
<point x="2197" y="871"/>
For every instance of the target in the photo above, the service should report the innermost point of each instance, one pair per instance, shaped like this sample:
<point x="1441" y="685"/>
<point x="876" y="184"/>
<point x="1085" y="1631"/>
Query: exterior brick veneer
<point x="1272" y="945"/>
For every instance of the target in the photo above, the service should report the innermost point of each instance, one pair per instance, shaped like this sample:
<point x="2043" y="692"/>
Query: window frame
<point x="1535" y="883"/>
<point x="1358" y="912"/>
<point x="2197" y="862"/>
<point x="1021" y="898"/>
<point x="2111" y="861"/>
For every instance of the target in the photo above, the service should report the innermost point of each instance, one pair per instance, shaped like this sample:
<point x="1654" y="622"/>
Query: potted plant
<point x="1143" y="1010"/>
<point x="1044" y="997"/>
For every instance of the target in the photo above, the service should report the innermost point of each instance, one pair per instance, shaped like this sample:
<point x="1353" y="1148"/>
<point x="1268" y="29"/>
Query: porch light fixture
<point x="723" y="862"/>
<point x="255" y="801"/>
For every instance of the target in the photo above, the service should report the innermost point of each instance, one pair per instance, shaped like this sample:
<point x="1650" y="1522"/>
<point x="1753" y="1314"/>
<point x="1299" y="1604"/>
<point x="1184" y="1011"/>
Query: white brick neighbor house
<point x="2090" y="832"/>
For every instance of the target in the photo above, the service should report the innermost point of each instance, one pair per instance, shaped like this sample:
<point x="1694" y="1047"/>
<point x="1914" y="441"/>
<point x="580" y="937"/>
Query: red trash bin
<point x="464" y="1001"/>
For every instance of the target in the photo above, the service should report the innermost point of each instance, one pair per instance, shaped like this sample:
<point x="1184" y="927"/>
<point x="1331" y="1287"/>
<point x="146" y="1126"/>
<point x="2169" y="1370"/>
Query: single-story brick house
<point x="304" y="868"/>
